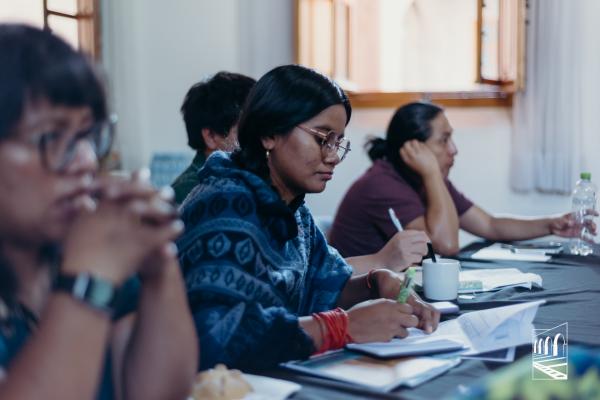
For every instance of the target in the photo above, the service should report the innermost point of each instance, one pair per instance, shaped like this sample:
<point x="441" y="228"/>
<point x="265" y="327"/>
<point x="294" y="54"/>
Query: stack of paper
<point x="497" y="252"/>
<point x="373" y="373"/>
<point x="491" y="279"/>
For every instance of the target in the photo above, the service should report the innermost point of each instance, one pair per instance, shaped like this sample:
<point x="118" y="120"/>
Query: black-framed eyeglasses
<point x="58" y="151"/>
<point x="329" y="143"/>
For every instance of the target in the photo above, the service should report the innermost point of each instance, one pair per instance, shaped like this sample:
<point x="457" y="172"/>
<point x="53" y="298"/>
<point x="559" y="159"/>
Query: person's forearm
<point x="363" y="264"/>
<point x="64" y="357"/>
<point x="441" y="219"/>
<point x="519" y="229"/>
<point x="162" y="354"/>
<point x="312" y="329"/>
<point x="355" y="291"/>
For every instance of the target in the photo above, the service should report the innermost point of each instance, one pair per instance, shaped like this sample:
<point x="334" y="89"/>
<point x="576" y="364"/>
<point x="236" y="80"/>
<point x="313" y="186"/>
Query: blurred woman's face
<point x="441" y="144"/>
<point x="296" y="162"/>
<point x="38" y="204"/>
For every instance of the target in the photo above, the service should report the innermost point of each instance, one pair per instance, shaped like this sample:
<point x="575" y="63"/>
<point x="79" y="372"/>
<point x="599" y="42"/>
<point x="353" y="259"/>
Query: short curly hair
<point x="214" y="104"/>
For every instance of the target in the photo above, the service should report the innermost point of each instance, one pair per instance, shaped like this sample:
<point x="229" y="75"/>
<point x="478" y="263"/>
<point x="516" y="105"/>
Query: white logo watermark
<point x="549" y="358"/>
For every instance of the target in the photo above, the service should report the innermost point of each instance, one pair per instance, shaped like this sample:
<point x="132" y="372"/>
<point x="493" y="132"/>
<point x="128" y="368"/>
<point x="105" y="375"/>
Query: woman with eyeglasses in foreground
<point x="70" y="240"/>
<point x="263" y="284"/>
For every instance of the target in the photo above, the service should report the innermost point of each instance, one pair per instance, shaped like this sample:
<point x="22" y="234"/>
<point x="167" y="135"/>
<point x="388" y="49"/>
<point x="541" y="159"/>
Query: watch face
<point x="100" y="293"/>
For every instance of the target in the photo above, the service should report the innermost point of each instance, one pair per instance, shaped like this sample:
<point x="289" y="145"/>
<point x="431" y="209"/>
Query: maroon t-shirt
<point x="362" y="224"/>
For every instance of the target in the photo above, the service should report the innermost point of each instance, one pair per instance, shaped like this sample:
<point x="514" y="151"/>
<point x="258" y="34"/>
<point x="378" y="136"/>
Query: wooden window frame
<point x="487" y="93"/>
<point x="92" y="44"/>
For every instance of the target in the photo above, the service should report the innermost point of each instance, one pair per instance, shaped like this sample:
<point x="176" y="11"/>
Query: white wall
<point x="155" y="50"/>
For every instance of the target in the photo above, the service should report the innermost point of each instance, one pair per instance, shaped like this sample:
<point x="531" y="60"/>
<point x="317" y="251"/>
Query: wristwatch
<point x="94" y="291"/>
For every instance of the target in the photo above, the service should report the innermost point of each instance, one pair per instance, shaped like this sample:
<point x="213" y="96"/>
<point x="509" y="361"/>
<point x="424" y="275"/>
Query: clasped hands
<point x="123" y="227"/>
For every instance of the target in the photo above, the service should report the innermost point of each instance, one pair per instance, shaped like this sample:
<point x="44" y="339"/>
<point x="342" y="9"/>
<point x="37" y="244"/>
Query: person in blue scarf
<point x="92" y="302"/>
<point x="261" y="279"/>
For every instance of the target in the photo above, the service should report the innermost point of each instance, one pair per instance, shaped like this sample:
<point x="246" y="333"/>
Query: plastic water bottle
<point x="584" y="199"/>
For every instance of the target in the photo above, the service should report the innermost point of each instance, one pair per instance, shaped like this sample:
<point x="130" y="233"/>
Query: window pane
<point x="316" y="37"/>
<point x="489" y="40"/>
<point x="65" y="28"/>
<point x="24" y="11"/>
<point x="63" y="6"/>
<point x="341" y="67"/>
<point x="394" y="45"/>
<point x="422" y="47"/>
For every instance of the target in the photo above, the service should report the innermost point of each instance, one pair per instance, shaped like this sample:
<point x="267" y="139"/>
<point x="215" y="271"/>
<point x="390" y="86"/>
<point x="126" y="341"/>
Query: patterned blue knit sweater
<point x="252" y="266"/>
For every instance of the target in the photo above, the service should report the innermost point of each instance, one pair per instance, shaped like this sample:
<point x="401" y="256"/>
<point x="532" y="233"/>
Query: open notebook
<point x="406" y="347"/>
<point x="478" y="332"/>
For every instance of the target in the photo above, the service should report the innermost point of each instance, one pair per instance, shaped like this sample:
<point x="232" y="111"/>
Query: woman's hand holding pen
<point x="429" y="317"/>
<point x="389" y="283"/>
<point x="380" y="320"/>
<point x="403" y="250"/>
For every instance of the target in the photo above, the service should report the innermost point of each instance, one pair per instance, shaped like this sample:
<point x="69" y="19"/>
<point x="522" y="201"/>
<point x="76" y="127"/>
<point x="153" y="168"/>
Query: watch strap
<point x="96" y="292"/>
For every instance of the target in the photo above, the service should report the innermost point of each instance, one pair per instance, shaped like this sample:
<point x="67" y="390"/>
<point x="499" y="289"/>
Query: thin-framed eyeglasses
<point x="57" y="150"/>
<point x="329" y="142"/>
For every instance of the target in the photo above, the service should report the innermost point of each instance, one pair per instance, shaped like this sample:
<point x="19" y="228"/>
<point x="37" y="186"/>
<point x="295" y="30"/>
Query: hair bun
<point x="376" y="148"/>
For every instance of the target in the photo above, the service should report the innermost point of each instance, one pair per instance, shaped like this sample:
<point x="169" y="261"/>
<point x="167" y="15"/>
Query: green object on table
<point x="407" y="286"/>
<point x="470" y="286"/>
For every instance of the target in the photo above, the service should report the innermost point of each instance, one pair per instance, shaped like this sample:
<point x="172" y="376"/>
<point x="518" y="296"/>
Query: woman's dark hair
<point x="411" y="121"/>
<point x="36" y="65"/>
<point x="282" y="99"/>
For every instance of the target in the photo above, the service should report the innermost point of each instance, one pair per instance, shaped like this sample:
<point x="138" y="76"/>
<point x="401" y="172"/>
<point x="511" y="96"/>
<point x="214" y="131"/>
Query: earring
<point x="267" y="154"/>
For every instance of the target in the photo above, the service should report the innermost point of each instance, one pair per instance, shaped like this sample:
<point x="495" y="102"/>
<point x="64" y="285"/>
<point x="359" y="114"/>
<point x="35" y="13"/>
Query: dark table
<point x="572" y="294"/>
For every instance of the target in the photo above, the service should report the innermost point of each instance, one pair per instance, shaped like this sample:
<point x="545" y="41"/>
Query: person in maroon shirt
<point x="410" y="175"/>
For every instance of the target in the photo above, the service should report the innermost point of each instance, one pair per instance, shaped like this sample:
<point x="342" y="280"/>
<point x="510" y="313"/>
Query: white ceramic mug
<point x="440" y="279"/>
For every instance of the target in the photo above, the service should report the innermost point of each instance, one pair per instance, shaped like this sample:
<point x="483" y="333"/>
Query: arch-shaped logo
<point x="550" y="353"/>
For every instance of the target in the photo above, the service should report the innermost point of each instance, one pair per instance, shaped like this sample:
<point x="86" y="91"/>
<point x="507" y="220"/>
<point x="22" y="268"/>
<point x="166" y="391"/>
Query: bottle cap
<point x="586" y="175"/>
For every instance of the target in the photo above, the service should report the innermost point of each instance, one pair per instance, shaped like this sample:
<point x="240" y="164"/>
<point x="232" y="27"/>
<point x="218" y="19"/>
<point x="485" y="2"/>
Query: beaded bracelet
<point x="335" y="324"/>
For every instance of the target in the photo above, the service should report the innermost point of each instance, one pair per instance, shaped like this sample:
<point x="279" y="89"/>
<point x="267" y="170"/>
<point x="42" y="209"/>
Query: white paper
<point x="506" y="357"/>
<point x="485" y="330"/>
<point x="496" y="252"/>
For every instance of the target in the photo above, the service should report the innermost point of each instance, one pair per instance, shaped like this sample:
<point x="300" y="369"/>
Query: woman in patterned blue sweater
<point x="258" y="271"/>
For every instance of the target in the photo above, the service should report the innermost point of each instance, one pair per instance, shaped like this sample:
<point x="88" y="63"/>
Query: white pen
<point x="395" y="219"/>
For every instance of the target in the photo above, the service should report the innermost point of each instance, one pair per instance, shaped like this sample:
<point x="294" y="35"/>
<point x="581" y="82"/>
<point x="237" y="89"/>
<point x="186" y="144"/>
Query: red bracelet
<point x="324" y="335"/>
<point x="336" y="326"/>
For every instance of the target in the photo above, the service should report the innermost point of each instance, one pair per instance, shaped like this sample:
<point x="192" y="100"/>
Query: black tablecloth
<point x="572" y="294"/>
